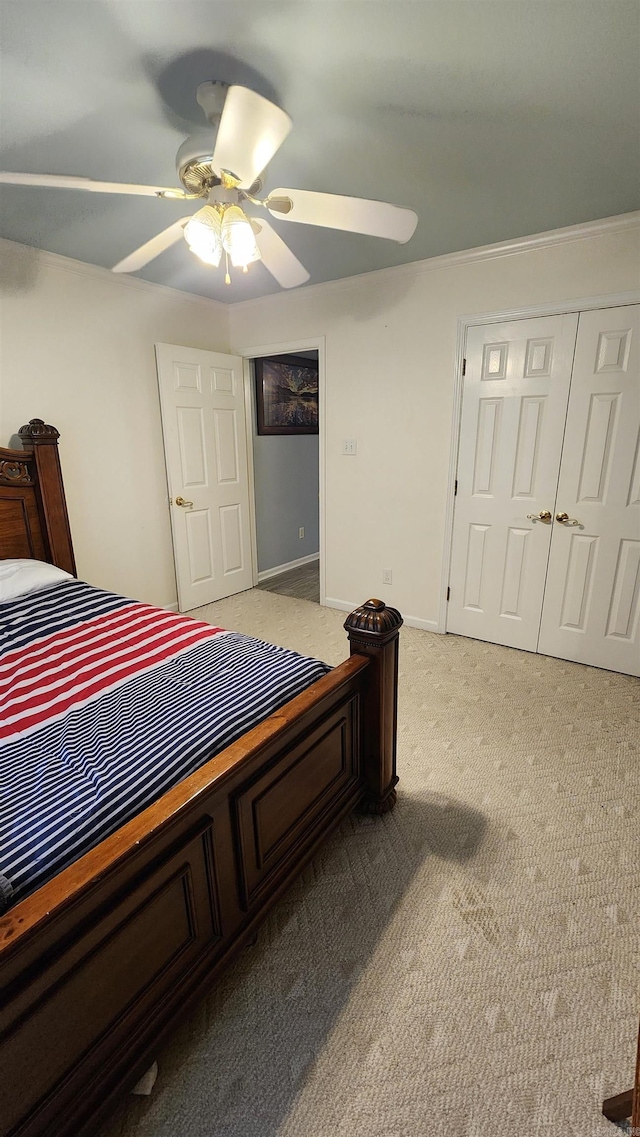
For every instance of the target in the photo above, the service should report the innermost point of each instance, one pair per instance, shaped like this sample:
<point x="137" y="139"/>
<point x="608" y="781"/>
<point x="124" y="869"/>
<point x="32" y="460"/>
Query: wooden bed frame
<point x="627" y="1104"/>
<point x="98" y="964"/>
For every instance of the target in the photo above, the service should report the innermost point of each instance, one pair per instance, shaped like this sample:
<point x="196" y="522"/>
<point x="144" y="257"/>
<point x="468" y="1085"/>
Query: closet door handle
<point x="564" y="519"/>
<point x="181" y="501"/>
<point x="543" y="515"/>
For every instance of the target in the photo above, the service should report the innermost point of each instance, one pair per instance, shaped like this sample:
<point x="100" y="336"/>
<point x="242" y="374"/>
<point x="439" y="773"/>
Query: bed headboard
<point x="33" y="510"/>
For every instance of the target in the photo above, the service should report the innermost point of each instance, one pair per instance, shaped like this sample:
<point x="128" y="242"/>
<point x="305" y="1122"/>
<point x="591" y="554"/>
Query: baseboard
<point x="425" y="625"/>
<point x="341" y="605"/>
<point x="267" y="573"/>
<point x="171" y="607"/>
<point x="410" y="621"/>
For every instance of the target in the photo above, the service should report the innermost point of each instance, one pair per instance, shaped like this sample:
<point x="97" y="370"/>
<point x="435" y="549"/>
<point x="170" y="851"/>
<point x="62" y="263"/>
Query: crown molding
<point x="97" y="272"/>
<point x="622" y="223"/>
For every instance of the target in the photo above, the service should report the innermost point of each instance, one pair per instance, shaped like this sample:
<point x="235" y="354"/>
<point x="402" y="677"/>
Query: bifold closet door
<point x="591" y="609"/>
<point x="514" y="407"/>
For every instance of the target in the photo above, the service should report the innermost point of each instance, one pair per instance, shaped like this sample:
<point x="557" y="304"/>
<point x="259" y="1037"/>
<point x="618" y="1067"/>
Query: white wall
<point x="76" y="349"/>
<point x="390" y="350"/>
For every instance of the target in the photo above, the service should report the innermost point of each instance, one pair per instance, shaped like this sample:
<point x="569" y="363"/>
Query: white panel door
<point x="591" y="609"/>
<point x="203" y="420"/>
<point x="514" y="406"/>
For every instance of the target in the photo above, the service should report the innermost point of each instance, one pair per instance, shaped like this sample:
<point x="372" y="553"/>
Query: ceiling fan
<point x="224" y="166"/>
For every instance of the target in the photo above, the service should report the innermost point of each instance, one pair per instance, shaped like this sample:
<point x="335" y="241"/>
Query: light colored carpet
<point x="465" y="966"/>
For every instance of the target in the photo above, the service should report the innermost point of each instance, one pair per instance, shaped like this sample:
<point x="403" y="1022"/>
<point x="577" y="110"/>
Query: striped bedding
<point x="105" y="703"/>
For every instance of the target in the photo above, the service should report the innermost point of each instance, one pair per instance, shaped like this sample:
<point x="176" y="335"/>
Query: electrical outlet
<point x="350" y="446"/>
<point x="301" y="532"/>
<point x="387" y="575"/>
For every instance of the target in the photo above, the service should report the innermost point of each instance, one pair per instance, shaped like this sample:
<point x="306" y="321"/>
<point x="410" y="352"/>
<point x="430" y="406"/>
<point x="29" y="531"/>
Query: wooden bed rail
<point x="68" y="890"/>
<point x="627" y="1104"/>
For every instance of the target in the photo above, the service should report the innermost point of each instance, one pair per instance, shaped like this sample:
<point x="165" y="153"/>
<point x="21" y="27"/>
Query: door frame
<point x="256" y="351"/>
<point x="559" y="308"/>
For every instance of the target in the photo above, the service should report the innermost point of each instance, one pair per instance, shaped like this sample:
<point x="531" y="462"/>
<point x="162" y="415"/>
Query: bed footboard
<point x="97" y="965"/>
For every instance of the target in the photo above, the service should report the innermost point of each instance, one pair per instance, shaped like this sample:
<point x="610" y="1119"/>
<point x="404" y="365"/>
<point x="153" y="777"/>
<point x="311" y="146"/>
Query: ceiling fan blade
<point x="69" y="181"/>
<point x="355" y="214"/>
<point x="152" y="248"/>
<point x="277" y="257"/>
<point x="251" y="130"/>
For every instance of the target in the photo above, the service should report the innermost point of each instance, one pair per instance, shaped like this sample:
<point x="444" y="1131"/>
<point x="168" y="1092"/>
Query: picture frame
<point x="286" y="394"/>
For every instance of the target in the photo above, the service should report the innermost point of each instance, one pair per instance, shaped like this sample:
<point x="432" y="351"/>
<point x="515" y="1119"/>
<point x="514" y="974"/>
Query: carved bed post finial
<point x="373" y="630"/>
<point x="37" y="431"/>
<point x="41" y="440"/>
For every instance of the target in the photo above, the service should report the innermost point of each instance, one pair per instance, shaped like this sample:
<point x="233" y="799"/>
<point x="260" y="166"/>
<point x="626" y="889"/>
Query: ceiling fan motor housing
<point x="193" y="160"/>
<point x="193" y="163"/>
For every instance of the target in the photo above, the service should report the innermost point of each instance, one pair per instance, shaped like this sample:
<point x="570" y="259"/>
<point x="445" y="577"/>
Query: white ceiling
<point x="491" y="119"/>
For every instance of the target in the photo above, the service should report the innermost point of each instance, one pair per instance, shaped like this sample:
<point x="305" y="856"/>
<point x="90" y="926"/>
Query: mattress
<point x="105" y="703"/>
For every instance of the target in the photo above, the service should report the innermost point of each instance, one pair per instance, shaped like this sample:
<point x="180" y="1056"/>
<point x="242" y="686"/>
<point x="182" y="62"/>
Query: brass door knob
<point x="543" y="515"/>
<point x="186" y="504"/>
<point x="564" y="519"/>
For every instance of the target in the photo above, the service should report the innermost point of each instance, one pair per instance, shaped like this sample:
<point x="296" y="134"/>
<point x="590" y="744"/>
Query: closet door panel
<point x="591" y="610"/>
<point x="514" y="407"/>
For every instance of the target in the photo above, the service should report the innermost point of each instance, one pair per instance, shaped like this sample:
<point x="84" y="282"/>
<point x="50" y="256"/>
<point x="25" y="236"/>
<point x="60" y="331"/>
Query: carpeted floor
<point x="467" y="965"/>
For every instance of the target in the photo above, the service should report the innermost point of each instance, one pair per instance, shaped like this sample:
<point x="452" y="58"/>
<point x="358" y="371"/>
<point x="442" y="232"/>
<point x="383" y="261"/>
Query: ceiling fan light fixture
<point x="203" y="234"/>
<point x="213" y="258"/>
<point x="238" y="238"/>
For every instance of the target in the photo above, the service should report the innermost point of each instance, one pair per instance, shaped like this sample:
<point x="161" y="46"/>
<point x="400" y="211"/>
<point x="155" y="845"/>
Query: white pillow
<point x="20" y="577"/>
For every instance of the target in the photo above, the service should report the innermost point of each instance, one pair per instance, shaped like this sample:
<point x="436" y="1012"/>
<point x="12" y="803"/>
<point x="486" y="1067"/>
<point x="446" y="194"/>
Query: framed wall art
<point x="287" y="394"/>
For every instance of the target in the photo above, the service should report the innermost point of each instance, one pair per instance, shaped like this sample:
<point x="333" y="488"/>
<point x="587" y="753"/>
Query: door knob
<point x="543" y="515"/>
<point x="564" y="519"/>
<point x="181" y="501"/>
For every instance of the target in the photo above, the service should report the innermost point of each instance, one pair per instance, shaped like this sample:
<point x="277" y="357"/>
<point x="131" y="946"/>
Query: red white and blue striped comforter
<point x="105" y="703"/>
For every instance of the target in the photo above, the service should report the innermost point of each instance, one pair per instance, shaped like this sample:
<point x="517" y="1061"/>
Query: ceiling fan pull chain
<point x="227" y="278"/>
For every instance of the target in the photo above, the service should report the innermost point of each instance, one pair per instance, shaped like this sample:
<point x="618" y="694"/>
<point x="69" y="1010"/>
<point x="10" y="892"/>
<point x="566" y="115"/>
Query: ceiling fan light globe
<point x="238" y="238"/>
<point x="213" y="258"/>
<point x="202" y="233"/>
<point x="243" y="257"/>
